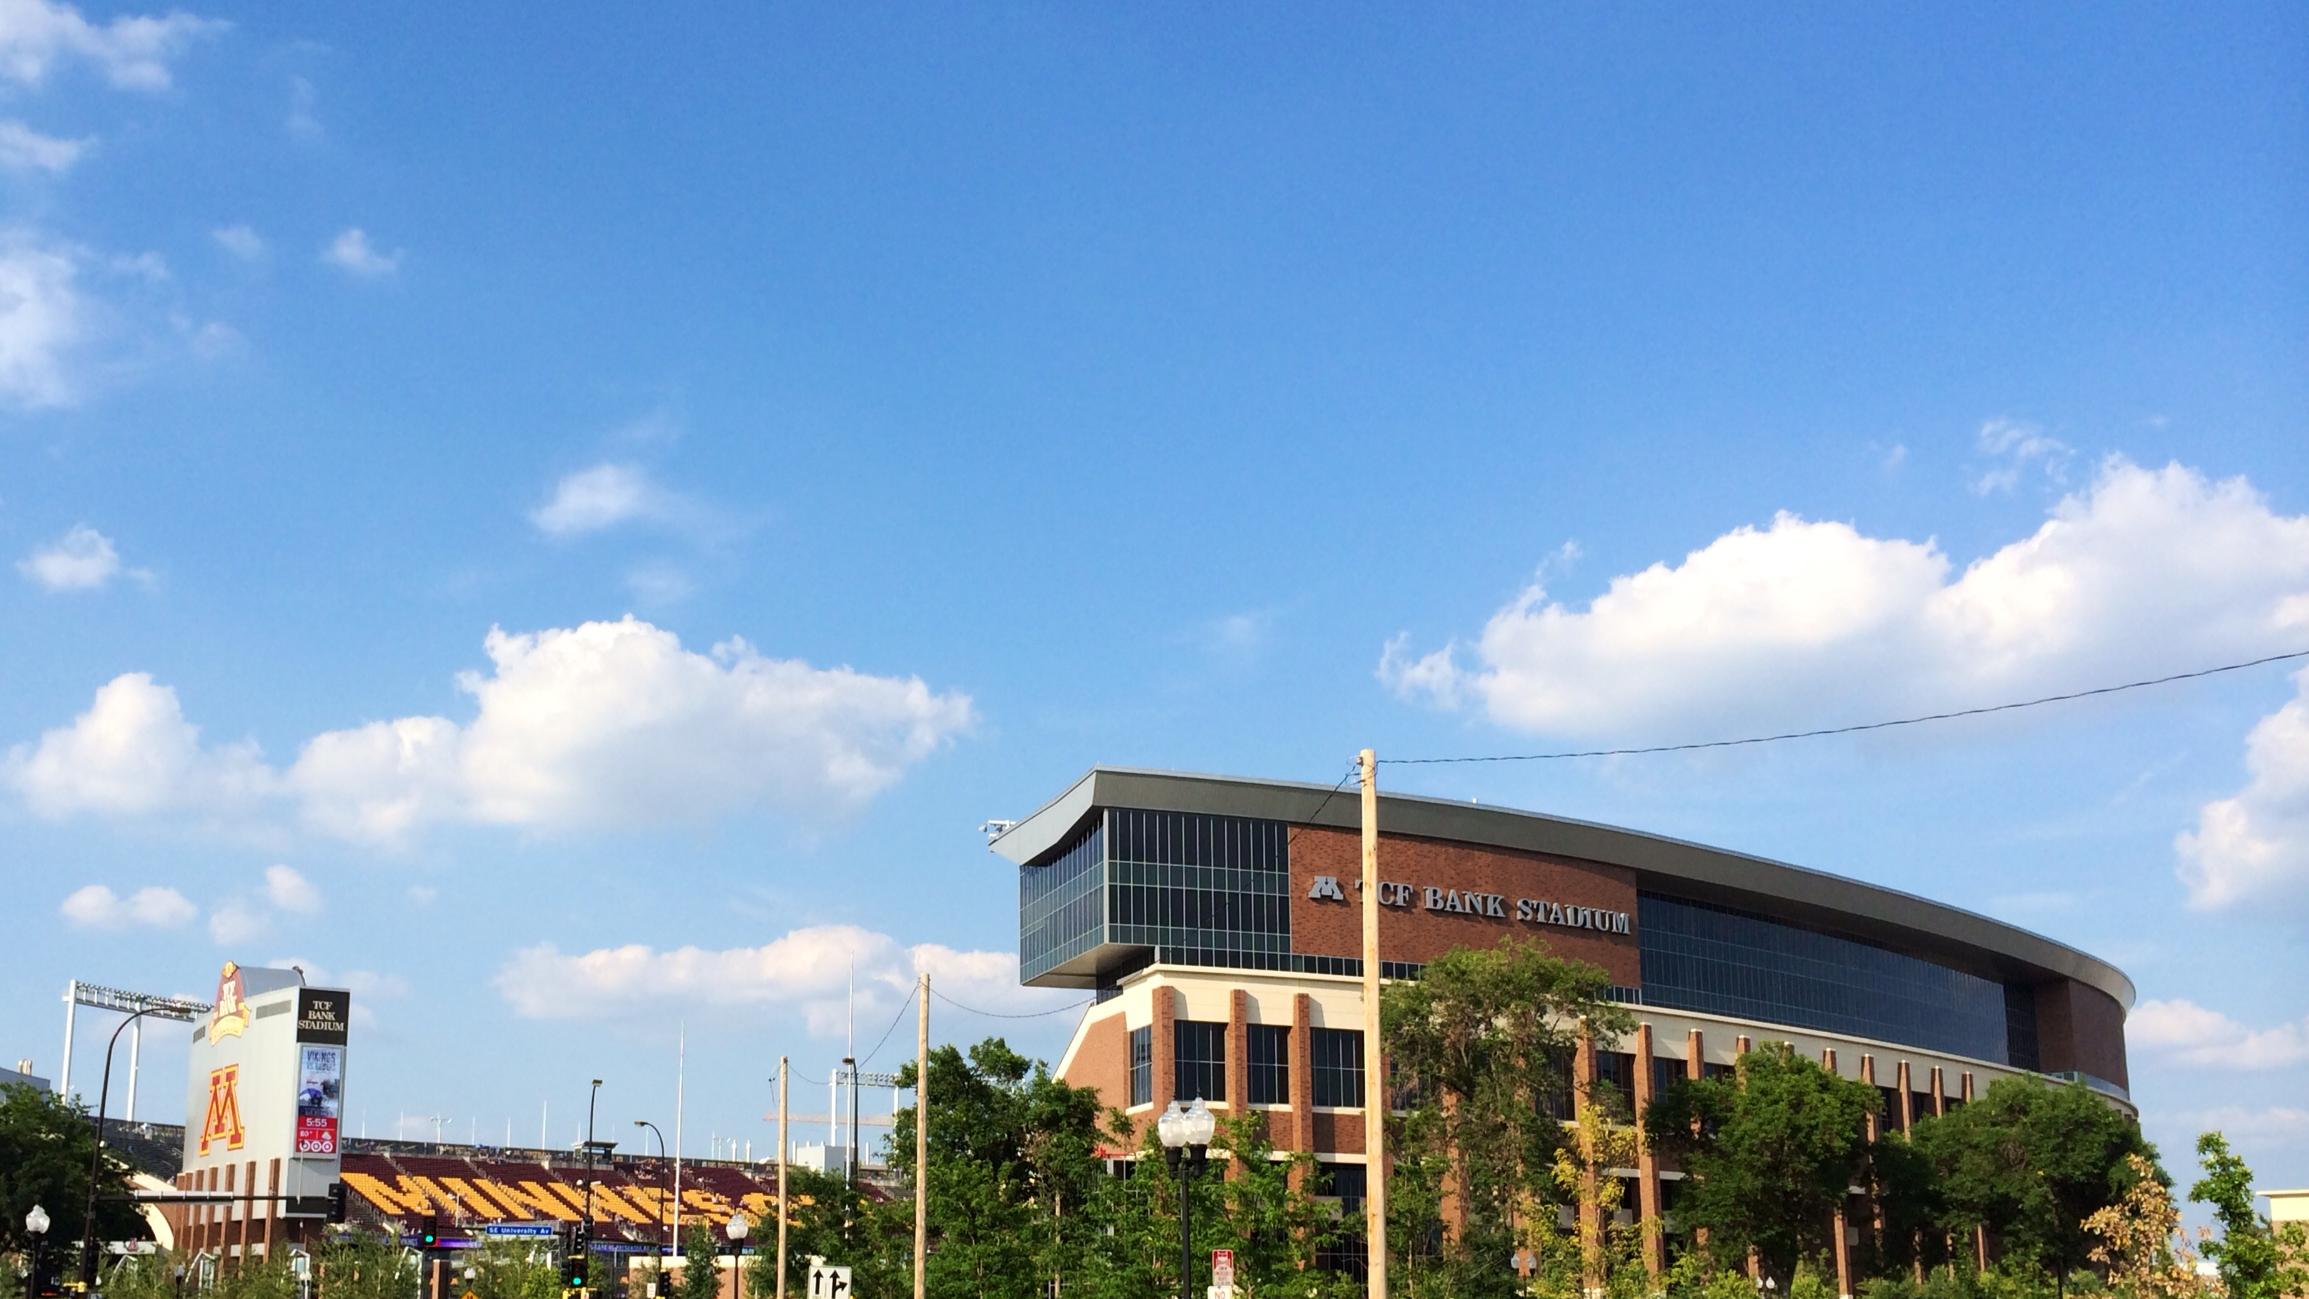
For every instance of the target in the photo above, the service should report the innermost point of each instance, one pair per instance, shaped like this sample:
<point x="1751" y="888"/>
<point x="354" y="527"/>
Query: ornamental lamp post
<point x="36" y="1223"/>
<point x="737" y="1229"/>
<point x="1185" y="1131"/>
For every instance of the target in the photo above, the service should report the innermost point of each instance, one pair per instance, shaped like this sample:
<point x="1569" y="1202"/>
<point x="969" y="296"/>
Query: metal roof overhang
<point x="1964" y="939"/>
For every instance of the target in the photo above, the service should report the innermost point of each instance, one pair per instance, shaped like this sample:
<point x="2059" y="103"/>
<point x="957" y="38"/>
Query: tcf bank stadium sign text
<point x="1466" y="902"/>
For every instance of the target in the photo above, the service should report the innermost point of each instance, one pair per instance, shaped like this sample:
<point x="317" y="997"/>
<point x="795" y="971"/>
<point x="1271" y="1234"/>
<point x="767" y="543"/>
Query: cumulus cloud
<point x="614" y="723"/>
<point x="809" y="968"/>
<point x="24" y="149"/>
<point x="352" y="253"/>
<point x="1816" y="622"/>
<point x="132" y="753"/>
<point x="604" y="724"/>
<point x="2253" y="847"/>
<point x="605" y="496"/>
<point x="2274" y="1125"/>
<point x="83" y="559"/>
<point x="288" y="890"/>
<point x="2197" y="1035"/>
<point x="132" y="51"/>
<point x="96" y="906"/>
<point x="44" y="320"/>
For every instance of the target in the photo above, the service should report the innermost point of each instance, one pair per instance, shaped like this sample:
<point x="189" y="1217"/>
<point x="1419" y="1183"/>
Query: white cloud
<point x="367" y="986"/>
<point x="24" y="149"/>
<point x="2196" y="1035"/>
<point x="131" y="753"/>
<point x="83" y="559"/>
<point x="133" y="51"/>
<point x="289" y="891"/>
<point x="2019" y="445"/>
<point x="604" y="724"/>
<point x="98" y="907"/>
<point x="241" y="241"/>
<point x="424" y="895"/>
<point x="2274" y="1125"/>
<point x="44" y="318"/>
<point x="236" y="922"/>
<point x="806" y="968"/>
<point x="604" y="496"/>
<point x="2253" y="847"/>
<point x="1815" y="623"/>
<point x="617" y="724"/>
<point x="350" y="252"/>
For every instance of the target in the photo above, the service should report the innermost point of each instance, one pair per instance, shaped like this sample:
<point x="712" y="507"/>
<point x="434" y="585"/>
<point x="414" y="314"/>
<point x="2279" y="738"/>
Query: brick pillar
<point x="1166" y="1042"/>
<point x="1843" y="1247"/>
<point x="1239" y="1051"/>
<point x="1979" y="1234"/>
<point x="272" y="1206"/>
<point x="1696" y="1069"/>
<point x="1302" y="1079"/>
<point x="1875" y="1130"/>
<point x="1905" y="1083"/>
<point x="1647" y="1163"/>
<point x="1741" y="1044"/>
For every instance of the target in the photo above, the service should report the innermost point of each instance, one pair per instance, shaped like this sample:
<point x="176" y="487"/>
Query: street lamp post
<point x="737" y="1229"/>
<point x="669" y="1241"/>
<point x="36" y="1223"/>
<point x="1185" y="1131"/>
<point x="96" y="1156"/>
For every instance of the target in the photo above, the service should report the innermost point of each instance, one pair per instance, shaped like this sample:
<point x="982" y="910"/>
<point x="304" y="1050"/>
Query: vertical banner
<point x="321" y="1020"/>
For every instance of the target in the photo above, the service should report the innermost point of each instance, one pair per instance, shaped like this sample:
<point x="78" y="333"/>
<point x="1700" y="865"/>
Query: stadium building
<point x="1218" y="922"/>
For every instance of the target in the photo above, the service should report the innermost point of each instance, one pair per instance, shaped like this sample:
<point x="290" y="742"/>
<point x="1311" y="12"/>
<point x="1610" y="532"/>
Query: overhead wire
<point x="868" y="1058"/>
<point x="1949" y="715"/>
<point x="1006" y="1014"/>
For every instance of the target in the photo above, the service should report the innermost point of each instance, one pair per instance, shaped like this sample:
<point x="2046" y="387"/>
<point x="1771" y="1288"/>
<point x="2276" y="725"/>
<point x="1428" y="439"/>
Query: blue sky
<point x="492" y="501"/>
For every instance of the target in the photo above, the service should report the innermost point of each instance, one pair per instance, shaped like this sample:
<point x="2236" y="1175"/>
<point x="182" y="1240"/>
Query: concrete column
<point x="1647" y="1163"/>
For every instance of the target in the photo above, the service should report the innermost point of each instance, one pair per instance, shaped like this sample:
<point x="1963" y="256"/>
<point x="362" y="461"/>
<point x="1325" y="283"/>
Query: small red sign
<point x="1222" y="1267"/>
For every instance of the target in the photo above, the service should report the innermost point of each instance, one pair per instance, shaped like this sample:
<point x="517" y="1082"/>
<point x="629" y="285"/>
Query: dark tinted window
<point x="1269" y="1064"/>
<point x="1201" y="1061"/>
<point x="1697" y="956"/>
<point x="1142" y="1066"/>
<point x="1338" y="1065"/>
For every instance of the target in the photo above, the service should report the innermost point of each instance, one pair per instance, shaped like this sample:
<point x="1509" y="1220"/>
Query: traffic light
<point x="429" y="1231"/>
<point x="336" y="1201"/>
<point x="573" y="1265"/>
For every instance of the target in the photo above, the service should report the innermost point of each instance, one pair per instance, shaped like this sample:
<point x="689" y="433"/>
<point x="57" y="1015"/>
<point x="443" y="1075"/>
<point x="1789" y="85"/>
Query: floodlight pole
<point x="96" y="1155"/>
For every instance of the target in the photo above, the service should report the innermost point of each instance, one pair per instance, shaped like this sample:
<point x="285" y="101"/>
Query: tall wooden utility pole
<point x="783" y="1151"/>
<point x="921" y="1131"/>
<point x="1374" y="1057"/>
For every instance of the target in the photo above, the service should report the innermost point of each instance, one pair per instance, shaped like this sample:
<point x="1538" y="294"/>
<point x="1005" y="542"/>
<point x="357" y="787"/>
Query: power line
<point x="1309" y="819"/>
<point x="1000" y="1014"/>
<point x="868" y="1058"/>
<point x="1864" y="726"/>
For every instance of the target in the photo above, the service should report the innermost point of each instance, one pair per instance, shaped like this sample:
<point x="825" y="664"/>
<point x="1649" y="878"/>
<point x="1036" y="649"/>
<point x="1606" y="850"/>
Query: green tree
<point x="1270" y="1217"/>
<point x="2031" y="1160"/>
<point x="46" y="1144"/>
<point x="1009" y="1148"/>
<point x="1776" y="1148"/>
<point x="826" y="1218"/>
<point x="502" y="1269"/>
<point x="359" y="1264"/>
<point x="1479" y="1043"/>
<point x="2246" y="1250"/>
<point x="700" y="1277"/>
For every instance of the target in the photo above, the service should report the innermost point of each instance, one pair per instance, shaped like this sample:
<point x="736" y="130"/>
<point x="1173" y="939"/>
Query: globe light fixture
<point x="1185" y="1130"/>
